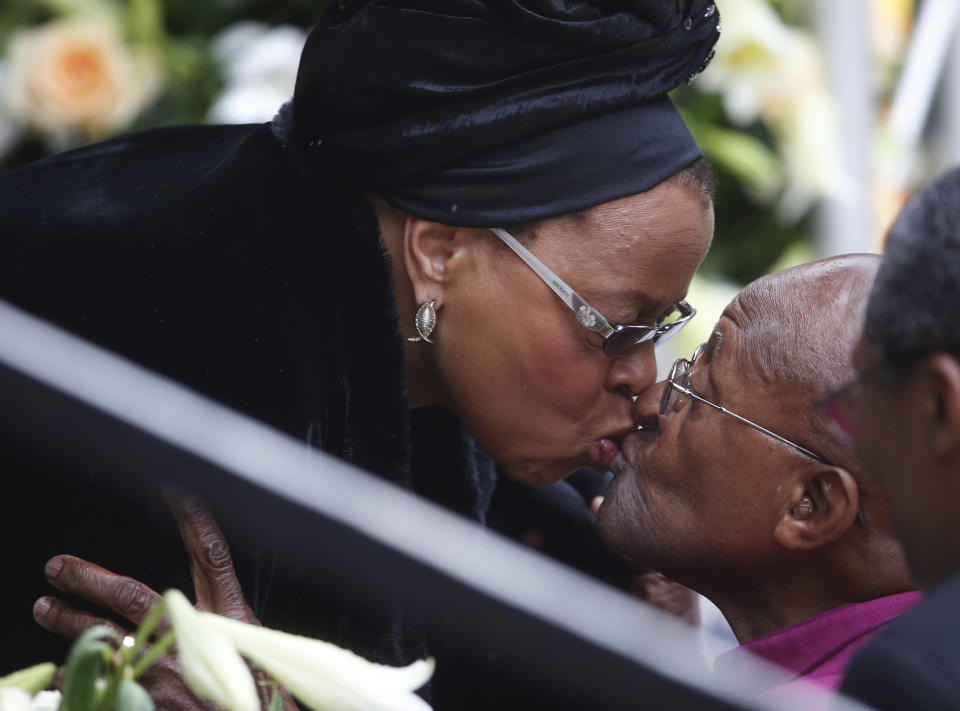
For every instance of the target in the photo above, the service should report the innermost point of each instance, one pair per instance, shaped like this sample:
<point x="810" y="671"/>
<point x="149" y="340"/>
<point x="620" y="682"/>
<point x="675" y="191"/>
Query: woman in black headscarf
<point x="333" y="269"/>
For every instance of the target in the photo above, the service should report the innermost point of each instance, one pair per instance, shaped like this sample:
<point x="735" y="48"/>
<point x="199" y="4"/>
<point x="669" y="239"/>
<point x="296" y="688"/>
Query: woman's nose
<point x="634" y="372"/>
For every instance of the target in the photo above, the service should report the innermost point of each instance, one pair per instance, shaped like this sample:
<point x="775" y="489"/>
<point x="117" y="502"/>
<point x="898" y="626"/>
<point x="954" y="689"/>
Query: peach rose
<point x="78" y="74"/>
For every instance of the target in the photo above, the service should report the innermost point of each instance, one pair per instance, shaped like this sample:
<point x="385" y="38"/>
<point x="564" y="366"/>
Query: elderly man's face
<point x="704" y="492"/>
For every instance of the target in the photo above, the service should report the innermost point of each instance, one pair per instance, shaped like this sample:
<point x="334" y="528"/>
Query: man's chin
<point x="614" y="518"/>
<point x="622" y="516"/>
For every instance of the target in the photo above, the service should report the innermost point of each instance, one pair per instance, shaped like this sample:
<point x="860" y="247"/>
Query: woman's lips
<point x="603" y="453"/>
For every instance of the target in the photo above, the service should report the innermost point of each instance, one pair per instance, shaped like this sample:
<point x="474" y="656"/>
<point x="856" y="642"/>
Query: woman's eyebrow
<point x="635" y="301"/>
<point x="637" y="298"/>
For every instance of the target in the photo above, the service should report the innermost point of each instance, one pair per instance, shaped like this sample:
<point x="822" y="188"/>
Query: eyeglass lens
<point x="626" y="338"/>
<point x="622" y="342"/>
<point x="673" y="398"/>
<point x="679" y="374"/>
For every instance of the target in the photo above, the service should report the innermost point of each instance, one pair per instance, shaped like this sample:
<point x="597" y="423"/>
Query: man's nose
<point x="646" y="408"/>
<point x="634" y="372"/>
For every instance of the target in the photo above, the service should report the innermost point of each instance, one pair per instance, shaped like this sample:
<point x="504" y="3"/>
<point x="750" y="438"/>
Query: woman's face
<point x="531" y="384"/>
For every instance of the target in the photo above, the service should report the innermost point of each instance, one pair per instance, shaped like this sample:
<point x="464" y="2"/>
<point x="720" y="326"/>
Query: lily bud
<point x="324" y="676"/>
<point x="211" y="665"/>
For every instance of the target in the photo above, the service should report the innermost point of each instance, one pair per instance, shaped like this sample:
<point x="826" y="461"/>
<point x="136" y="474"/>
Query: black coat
<point x="212" y="256"/>
<point x="915" y="663"/>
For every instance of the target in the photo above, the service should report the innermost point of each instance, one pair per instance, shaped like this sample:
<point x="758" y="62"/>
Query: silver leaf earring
<point x="425" y="321"/>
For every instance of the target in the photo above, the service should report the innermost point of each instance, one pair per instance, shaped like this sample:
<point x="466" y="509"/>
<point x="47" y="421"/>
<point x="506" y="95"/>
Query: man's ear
<point x="937" y="381"/>
<point x="822" y="507"/>
<point x="427" y="247"/>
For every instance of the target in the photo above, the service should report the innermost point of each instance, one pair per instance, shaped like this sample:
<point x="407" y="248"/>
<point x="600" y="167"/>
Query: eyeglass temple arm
<point x="861" y="519"/>
<point x="721" y="408"/>
<point x="569" y="296"/>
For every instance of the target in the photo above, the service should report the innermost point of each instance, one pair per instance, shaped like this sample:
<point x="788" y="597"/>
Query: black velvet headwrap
<point x="495" y="112"/>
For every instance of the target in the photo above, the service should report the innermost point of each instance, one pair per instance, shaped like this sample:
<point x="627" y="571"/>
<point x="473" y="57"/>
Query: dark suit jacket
<point x="915" y="663"/>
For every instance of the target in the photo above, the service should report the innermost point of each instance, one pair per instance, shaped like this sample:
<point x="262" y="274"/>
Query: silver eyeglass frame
<point x="686" y="390"/>
<point x="589" y="317"/>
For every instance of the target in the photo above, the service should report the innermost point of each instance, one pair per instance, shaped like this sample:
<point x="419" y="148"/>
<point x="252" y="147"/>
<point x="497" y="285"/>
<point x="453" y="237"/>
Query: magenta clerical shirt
<point x="819" y="648"/>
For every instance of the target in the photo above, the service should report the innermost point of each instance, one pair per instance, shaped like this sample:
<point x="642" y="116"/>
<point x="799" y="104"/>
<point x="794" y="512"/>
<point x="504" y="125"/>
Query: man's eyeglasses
<point x="618" y="340"/>
<point x="679" y="390"/>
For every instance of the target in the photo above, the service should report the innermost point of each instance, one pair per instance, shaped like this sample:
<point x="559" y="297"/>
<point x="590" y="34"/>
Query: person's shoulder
<point x="116" y="188"/>
<point x="890" y="675"/>
<point x="914" y="663"/>
<point x="115" y="172"/>
<point x="167" y="142"/>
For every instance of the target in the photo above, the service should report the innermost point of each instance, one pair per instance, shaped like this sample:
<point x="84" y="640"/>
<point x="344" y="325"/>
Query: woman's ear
<point x="823" y="506"/>
<point x="427" y="247"/>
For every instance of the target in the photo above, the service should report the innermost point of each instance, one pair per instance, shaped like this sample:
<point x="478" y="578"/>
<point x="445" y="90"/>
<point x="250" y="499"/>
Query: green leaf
<point x="133" y="697"/>
<point x="276" y="700"/>
<point x="86" y="662"/>
<point x="142" y="635"/>
<point x="32" y="679"/>
<point x="757" y="166"/>
<point x="72" y="7"/>
<point x="155" y="652"/>
<point x="144" y="20"/>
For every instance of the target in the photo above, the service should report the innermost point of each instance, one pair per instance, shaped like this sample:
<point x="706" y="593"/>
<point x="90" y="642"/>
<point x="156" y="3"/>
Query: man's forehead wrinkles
<point x="714" y="342"/>
<point x="735" y="313"/>
<point x="714" y="346"/>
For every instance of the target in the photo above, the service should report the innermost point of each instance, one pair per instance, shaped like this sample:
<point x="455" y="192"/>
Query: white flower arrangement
<point x="769" y="71"/>
<point x="260" y="67"/>
<point x="101" y="669"/>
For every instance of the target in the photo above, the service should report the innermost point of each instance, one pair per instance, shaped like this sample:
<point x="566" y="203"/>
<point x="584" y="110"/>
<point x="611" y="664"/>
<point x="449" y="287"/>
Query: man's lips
<point x="631" y="457"/>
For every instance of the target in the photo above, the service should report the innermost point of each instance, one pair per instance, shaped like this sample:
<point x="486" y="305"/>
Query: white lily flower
<point x="324" y="676"/>
<point x="212" y="667"/>
<point x="14" y="699"/>
<point x="46" y="701"/>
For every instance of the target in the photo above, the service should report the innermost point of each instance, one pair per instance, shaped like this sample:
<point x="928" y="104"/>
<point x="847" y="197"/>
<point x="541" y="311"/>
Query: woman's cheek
<point x="564" y="368"/>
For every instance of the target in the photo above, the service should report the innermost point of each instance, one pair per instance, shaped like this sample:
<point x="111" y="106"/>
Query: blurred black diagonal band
<point x="105" y="418"/>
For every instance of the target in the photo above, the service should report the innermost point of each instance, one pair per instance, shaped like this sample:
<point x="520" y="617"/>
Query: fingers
<point x="660" y="591"/>
<point x="595" y="504"/>
<point x="125" y="596"/>
<point x="214" y="578"/>
<point x="60" y="618"/>
<point x="163" y="680"/>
